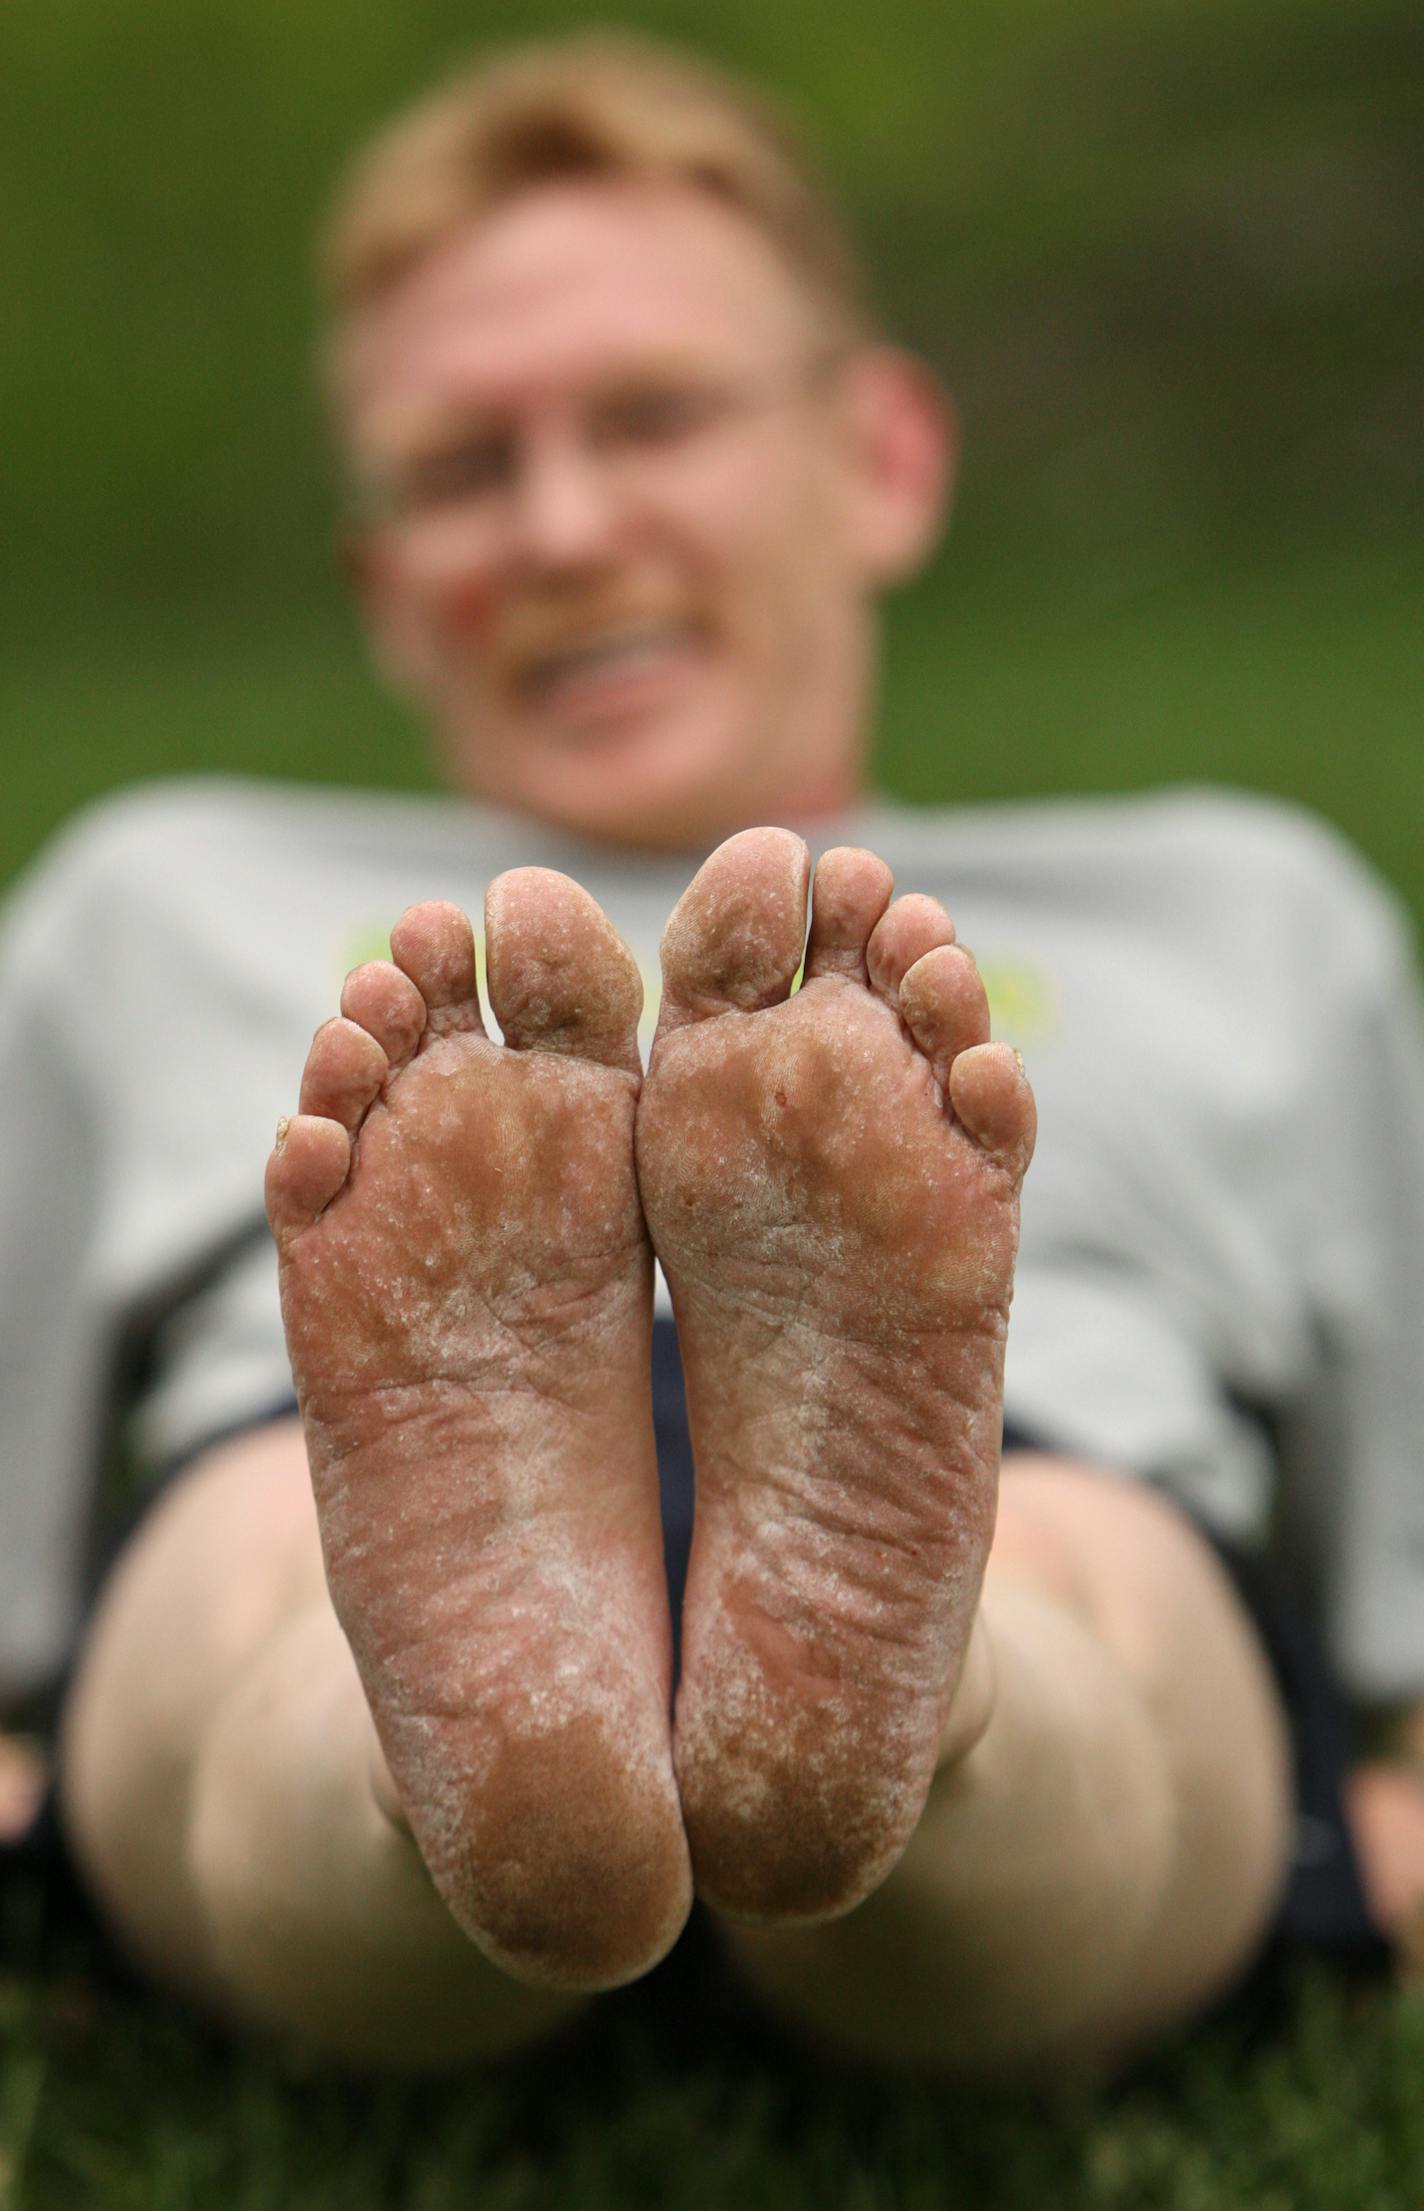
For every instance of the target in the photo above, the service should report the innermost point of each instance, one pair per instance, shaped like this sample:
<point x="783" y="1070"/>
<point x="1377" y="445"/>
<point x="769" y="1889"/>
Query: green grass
<point x="662" y="2099"/>
<point x="1297" y="672"/>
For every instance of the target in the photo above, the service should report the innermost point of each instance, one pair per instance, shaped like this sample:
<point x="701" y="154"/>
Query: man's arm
<point x="1386" y="1803"/>
<point x="23" y="1776"/>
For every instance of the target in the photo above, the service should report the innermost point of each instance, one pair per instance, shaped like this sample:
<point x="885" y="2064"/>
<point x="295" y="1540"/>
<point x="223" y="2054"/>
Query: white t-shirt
<point x="1221" y="1279"/>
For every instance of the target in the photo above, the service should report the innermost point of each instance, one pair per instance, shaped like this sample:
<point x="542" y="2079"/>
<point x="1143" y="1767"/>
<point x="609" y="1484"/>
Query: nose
<point x="565" y="507"/>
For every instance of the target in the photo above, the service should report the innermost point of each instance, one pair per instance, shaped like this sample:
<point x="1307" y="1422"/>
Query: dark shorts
<point x="44" y="1914"/>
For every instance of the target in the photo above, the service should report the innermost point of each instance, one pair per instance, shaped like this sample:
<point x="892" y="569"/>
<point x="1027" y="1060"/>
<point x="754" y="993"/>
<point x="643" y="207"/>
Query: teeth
<point x="638" y="640"/>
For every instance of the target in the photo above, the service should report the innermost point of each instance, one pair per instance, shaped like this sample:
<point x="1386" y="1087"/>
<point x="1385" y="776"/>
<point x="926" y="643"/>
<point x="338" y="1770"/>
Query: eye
<point x="468" y="468"/>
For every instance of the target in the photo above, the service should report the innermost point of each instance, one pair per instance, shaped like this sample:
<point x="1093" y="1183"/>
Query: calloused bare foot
<point x="466" y="1287"/>
<point x="831" y="1182"/>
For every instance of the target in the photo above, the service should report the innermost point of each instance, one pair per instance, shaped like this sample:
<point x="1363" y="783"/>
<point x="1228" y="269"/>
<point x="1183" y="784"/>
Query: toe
<point x="434" y="945"/>
<point x="343" y="1074"/>
<point x="387" y="1005"/>
<point x="851" y="891"/>
<point x="944" y="1007"/>
<point x="912" y="927"/>
<point x="990" y="1093"/>
<point x="734" y="939"/>
<point x="309" y="1164"/>
<point x="561" y="979"/>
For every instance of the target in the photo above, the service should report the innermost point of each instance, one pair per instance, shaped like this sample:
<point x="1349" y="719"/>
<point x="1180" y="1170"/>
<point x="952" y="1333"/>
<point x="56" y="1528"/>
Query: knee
<point x="319" y="1918"/>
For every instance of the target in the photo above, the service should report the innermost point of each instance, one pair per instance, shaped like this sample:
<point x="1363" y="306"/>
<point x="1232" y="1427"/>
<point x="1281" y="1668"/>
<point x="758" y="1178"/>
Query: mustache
<point x="541" y="624"/>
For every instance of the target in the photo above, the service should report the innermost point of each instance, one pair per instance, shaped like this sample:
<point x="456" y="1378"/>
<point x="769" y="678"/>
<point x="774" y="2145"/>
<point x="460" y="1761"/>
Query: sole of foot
<point x="831" y="1181"/>
<point x="466" y="1288"/>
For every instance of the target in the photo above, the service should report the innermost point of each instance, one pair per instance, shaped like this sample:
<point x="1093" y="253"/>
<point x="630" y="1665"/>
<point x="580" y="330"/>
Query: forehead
<point x="565" y="284"/>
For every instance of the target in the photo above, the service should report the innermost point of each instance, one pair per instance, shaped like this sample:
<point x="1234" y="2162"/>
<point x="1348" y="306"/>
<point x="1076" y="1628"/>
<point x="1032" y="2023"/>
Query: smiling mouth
<point x="617" y="658"/>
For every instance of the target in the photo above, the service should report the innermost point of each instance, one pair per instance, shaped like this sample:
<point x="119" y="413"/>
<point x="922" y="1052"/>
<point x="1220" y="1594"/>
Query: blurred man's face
<point x="619" y="550"/>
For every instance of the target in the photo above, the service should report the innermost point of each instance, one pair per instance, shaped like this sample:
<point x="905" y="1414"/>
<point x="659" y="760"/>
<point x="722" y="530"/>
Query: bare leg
<point x="1104" y="1860"/>
<point x="217" y="1762"/>
<point x="1064" y="1809"/>
<point x="466" y="1286"/>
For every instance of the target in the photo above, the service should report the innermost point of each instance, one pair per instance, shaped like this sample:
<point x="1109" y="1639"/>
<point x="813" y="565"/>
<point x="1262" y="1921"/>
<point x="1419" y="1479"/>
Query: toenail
<point x="282" y="1127"/>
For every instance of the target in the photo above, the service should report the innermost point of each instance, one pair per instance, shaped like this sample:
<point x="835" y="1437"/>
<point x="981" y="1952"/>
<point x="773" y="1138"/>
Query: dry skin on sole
<point x="831" y="1182"/>
<point x="466" y="1291"/>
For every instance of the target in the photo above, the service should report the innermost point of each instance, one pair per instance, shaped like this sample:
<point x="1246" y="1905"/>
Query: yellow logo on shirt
<point x="1022" y="1004"/>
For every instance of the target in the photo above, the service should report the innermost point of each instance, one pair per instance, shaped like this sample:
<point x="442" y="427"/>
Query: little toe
<point x="993" y="1099"/>
<point x="387" y="1005"/>
<point x="344" y="1071"/>
<point x="308" y="1165"/>
<point x="434" y="945"/>
<point x="943" y="1005"/>
<point x="561" y="979"/>
<point x="734" y="939"/>
<point x="911" y="927"/>
<point x="851" y="890"/>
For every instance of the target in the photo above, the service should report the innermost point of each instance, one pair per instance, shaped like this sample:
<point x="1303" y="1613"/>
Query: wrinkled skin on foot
<point x="466" y="1287"/>
<point x="831" y="1182"/>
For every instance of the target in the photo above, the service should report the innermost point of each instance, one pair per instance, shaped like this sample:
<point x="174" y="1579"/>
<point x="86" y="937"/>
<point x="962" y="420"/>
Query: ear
<point x="394" y="634"/>
<point x="904" y="447"/>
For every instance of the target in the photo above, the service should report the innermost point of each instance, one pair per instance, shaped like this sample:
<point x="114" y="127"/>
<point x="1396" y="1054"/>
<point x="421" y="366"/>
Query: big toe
<point x="734" y="939"/>
<point x="561" y="979"/>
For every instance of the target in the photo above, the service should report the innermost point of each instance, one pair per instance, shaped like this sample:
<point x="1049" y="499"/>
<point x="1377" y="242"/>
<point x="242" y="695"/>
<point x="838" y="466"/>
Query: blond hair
<point x="599" y="105"/>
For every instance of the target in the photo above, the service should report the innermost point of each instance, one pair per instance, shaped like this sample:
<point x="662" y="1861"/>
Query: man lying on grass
<point x="970" y="1714"/>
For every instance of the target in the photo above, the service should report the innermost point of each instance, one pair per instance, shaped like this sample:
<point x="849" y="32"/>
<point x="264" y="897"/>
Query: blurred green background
<point x="1169" y="255"/>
